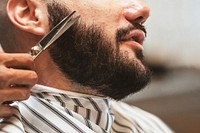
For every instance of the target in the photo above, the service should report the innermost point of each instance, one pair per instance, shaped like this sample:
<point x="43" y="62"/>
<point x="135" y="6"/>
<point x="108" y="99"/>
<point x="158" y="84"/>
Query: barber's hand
<point x="16" y="80"/>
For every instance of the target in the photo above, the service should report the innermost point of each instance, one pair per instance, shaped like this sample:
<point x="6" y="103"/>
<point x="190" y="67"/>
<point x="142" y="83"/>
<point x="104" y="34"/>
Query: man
<point x="73" y="85"/>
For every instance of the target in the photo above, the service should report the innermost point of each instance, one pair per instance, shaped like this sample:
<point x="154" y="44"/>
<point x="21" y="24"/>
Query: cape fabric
<point x="49" y="110"/>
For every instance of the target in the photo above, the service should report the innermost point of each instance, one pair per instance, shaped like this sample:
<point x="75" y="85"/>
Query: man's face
<point x="110" y="15"/>
<point x="103" y="51"/>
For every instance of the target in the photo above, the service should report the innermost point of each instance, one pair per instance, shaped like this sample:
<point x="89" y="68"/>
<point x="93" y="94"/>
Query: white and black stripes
<point x="31" y="126"/>
<point x="85" y="114"/>
<point x="135" y="120"/>
<point x="125" y="124"/>
<point x="14" y="123"/>
<point x="44" y="120"/>
<point x="62" y="116"/>
<point x="47" y="115"/>
<point x="49" y="110"/>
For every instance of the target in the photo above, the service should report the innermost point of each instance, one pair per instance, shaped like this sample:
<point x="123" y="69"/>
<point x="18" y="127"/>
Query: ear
<point x="29" y="15"/>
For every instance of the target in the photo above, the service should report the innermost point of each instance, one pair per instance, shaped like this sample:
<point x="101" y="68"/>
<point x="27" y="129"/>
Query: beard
<point x="87" y="56"/>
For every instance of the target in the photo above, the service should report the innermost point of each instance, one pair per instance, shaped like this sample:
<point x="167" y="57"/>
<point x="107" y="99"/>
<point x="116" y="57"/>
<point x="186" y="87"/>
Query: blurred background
<point x="172" y="50"/>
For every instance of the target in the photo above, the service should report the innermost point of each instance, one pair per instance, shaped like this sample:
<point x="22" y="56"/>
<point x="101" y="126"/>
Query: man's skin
<point x="27" y="21"/>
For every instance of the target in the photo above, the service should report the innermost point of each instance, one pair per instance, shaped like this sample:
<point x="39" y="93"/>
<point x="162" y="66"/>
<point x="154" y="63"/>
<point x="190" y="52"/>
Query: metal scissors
<point x="53" y="35"/>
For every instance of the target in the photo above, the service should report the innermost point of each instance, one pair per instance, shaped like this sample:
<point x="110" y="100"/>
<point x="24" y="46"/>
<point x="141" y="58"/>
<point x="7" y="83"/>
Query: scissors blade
<point x="53" y="35"/>
<point x="62" y="30"/>
<point x="45" y="40"/>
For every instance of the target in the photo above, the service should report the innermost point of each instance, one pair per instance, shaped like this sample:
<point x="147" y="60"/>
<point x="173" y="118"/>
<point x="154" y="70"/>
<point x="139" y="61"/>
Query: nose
<point x="137" y="12"/>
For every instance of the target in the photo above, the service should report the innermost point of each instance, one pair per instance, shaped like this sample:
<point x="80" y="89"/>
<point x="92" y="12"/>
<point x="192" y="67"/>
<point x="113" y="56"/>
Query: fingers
<point x="10" y="76"/>
<point x="16" y="60"/>
<point x="13" y="70"/>
<point x="16" y="80"/>
<point x="11" y="94"/>
<point x="14" y="94"/>
<point x="6" y="111"/>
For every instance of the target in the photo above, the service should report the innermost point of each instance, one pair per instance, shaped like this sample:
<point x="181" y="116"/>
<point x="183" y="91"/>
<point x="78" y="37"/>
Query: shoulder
<point x="43" y="115"/>
<point x="134" y="118"/>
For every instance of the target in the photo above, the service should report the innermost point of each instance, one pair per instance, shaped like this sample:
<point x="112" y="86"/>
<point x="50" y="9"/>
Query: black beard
<point x="89" y="58"/>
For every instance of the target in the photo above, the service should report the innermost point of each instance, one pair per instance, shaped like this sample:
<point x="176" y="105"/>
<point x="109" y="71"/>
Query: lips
<point x="135" y="36"/>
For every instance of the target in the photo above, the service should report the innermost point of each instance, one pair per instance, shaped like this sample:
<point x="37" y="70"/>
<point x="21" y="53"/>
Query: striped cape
<point x="49" y="110"/>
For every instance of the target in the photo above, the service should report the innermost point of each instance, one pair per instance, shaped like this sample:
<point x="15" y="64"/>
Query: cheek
<point x="103" y="13"/>
<point x="107" y="23"/>
<point x="97" y="11"/>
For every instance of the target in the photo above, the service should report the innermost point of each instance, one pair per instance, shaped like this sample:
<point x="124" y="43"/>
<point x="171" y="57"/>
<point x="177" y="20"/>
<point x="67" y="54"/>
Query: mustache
<point x="124" y="31"/>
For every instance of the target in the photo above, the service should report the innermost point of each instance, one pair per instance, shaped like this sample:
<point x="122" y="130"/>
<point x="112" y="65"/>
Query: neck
<point x="50" y="75"/>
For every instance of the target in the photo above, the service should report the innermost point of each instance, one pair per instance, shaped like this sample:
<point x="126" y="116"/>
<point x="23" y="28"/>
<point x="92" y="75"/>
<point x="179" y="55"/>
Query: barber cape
<point x="49" y="110"/>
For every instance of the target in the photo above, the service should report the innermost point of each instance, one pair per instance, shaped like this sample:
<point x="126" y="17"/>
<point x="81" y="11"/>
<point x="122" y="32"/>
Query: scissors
<point x="53" y="35"/>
